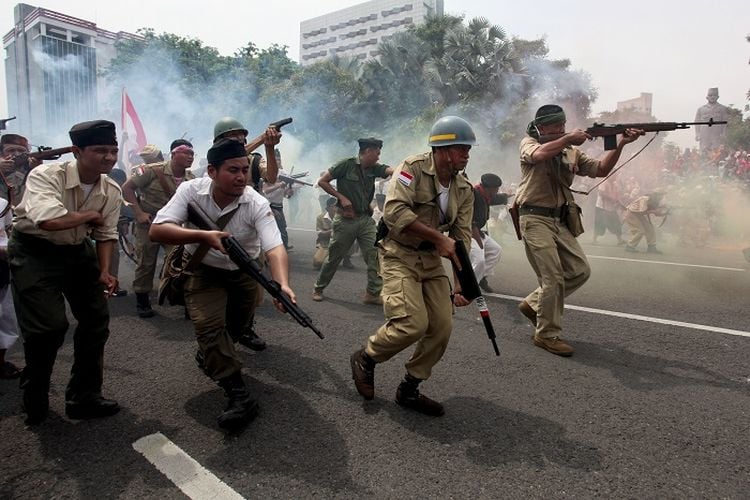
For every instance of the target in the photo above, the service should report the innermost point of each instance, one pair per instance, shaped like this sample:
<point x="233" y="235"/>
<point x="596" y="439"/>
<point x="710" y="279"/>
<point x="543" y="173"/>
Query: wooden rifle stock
<point x="258" y="141"/>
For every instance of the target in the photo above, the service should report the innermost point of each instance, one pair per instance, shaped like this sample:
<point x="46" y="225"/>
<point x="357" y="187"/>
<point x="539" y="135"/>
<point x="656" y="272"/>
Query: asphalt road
<point x="644" y="409"/>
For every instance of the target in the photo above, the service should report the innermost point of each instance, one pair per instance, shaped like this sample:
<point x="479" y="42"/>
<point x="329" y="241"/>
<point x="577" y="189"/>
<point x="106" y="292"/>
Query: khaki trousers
<point x="417" y="307"/>
<point x="221" y="305"/>
<point x="639" y="226"/>
<point x="147" y="254"/>
<point x="560" y="266"/>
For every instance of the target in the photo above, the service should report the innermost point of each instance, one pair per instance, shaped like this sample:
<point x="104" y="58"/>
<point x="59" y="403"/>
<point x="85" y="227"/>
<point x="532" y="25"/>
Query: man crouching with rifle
<point x="218" y="295"/>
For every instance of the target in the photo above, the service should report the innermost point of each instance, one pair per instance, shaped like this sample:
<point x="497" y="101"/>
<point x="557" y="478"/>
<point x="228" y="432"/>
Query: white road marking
<point x="666" y="263"/>
<point x="191" y="477"/>
<point x="638" y="317"/>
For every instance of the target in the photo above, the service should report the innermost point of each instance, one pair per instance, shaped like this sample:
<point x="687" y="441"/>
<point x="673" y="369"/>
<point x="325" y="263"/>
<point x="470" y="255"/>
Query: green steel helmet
<point x="450" y="130"/>
<point x="228" y="124"/>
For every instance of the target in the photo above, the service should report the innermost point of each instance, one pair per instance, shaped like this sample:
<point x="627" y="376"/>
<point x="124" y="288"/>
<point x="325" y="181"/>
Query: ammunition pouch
<point x="571" y="215"/>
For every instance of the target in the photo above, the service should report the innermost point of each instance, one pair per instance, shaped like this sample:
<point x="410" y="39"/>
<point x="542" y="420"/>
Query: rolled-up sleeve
<point x="587" y="166"/>
<point x="43" y="198"/>
<point x="527" y="148"/>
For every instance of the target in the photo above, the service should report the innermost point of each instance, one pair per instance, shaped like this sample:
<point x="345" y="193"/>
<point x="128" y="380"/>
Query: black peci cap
<point x="491" y="180"/>
<point x="96" y="132"/>
<point x="224" y="149"/>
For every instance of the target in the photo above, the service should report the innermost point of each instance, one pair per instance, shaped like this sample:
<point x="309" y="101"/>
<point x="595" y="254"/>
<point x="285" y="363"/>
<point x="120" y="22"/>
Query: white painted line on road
<point x="638" y="317"/>
<point x="191" y="477"/>
<point x="301" y="229"/>
<point x="666" y="263"/>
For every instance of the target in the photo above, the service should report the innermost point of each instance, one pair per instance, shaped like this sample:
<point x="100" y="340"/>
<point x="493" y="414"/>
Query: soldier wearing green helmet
<point x="427" y="199"/>
<point x="260" y="169"/>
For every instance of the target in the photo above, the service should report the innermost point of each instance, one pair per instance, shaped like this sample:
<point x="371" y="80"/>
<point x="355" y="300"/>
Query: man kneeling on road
<point x="219" y="296"/>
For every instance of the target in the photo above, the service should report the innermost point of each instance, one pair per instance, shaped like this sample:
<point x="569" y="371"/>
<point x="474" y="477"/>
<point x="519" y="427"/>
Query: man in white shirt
<point x="219" y="297"/>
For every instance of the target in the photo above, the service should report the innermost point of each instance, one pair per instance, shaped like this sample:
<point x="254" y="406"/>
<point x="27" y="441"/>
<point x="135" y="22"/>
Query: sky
<point x="673" y="49"/>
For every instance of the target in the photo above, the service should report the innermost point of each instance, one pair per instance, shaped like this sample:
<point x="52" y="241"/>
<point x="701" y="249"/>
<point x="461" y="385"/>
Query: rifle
<point x="255" y="143"/>
<point x="610" y="132"/>
<point x="4" y="121"/>
<point x="470" y="290"/>
<point x="294" y="179"/>
<point x="515" y="219"/>
<point x="42" y="153"/>
<point x="198" y="217"/>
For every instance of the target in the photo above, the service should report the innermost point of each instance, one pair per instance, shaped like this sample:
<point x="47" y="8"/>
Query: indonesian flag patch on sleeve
<point x="405" y="178"/>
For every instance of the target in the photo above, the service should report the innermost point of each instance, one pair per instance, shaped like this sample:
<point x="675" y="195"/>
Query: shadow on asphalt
<point x="493" y="435"/>
<point x="642" y="372"/>
<point x="97" y="455"/>
<point x="288" y="439"/>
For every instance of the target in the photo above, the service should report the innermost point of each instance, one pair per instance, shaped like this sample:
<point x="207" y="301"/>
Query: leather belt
<point x="543" y="211"/>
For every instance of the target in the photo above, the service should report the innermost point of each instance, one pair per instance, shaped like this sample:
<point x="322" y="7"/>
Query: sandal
<point x="9" y="371"/>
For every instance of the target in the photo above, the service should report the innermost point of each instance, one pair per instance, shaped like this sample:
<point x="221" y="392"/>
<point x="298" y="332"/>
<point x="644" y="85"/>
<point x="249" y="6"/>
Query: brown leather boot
<point x="555" y="345"/>
<point x="408" y="396"/>
<point x="363" y="373"/>
<point x="527" y="311"/>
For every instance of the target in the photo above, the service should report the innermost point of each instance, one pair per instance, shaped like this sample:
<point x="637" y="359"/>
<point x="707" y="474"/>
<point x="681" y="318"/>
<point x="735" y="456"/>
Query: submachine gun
<point x="198" y="217"/>
<point x="610" y="132"/>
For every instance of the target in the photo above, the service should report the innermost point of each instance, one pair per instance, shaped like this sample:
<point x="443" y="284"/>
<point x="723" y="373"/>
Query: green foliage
<point x="444" y="65"/>
<point x="738" y="131"/>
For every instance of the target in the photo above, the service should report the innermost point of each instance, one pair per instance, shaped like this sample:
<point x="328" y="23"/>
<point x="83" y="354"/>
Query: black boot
<point x="241" y="408"/>
<point x="97" y="407"/>
<point x="143" y="305"/>
<point x="653" y="249"/>
<point x="486" y="286"/>
<point x="408" y="396"/>
<point x="35" y="400"/>
<point x="251" y="340"/>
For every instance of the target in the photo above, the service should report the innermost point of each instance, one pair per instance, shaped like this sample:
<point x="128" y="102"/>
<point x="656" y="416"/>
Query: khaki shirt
<point x="413" y="195"/>
<point x="152" y="194"/>
<point x="53" y="190"/>
<point x="540" y="184"/>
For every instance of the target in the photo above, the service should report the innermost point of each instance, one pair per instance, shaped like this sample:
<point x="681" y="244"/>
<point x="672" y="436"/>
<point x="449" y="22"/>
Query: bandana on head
<point x="182" y="148"/>
<point x="548" y="119"/>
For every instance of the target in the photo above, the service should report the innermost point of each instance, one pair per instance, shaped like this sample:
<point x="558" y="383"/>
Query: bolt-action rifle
<point x="242" y="259"/>
<point x="256" y="143"/>
<point x="610" y="132"/>
<point x="295" y="179"/>
<point x="42" y="153"/>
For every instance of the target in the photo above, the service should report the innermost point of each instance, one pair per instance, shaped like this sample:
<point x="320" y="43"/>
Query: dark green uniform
<point x="358" y="185"/>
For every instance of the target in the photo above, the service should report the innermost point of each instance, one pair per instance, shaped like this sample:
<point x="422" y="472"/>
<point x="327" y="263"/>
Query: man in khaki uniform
<point x="52" y="259"/>
<point x="548" y="167"/>
<point x="638" y="220"/>
<point x="426" y="199"/>
<point x="11" y="146"/>
<point x="155" y="183"/>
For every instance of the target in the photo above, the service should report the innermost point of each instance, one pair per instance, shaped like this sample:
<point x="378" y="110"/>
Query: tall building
<point x="641" y="105"/>
<point x="51" y="66"/>
<point x="356" y="31"/>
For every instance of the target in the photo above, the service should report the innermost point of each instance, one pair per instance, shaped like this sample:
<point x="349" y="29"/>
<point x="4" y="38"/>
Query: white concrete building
<point x="51" y="66"/>
<point x="356" y="31"/>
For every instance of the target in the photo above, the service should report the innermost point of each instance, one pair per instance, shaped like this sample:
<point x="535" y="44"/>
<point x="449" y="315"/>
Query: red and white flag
<point x="136" y="140"/>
